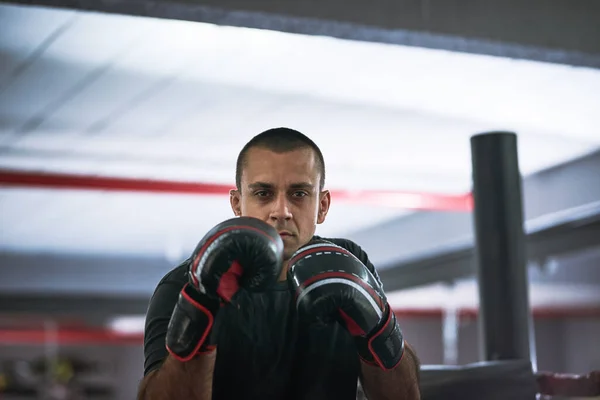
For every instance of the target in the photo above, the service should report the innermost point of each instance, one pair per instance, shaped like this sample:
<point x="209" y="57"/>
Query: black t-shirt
<point x="263" y="352"/>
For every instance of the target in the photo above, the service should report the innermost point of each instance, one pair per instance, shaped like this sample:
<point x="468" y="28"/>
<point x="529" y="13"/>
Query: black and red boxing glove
<point x="240" y="253"/>
<point x="331" y="284"/>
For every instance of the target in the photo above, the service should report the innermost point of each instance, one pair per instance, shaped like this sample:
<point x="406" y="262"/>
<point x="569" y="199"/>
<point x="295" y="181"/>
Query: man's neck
<point x="284" y="270"/>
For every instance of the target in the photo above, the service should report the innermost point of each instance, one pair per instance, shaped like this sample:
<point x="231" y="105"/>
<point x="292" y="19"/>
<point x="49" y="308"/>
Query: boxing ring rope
<point x="389" y="198"/>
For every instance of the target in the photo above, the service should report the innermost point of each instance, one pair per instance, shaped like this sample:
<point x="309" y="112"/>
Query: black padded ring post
<point x="504" y="316"/>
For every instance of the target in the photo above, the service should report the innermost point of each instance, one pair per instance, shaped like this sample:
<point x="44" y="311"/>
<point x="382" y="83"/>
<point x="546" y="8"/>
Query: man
<point x="264" y="309"/>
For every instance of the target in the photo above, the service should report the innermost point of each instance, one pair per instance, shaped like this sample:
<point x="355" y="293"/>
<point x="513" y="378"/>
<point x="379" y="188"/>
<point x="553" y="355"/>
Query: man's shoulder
<point x="349" y="245"/>
<point x="342" y="242"/>
<point x="355" y="249"/>
<point x="177" y="275"/>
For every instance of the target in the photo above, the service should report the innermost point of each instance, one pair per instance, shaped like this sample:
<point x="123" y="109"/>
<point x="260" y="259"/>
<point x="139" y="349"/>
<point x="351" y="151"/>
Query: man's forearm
<point x="400" y="383"/>
<point x="178" y="380"/>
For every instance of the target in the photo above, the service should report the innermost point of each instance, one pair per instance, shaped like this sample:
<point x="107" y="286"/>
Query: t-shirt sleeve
<point x="361" y="255"/>
<point x="158" y="316"/>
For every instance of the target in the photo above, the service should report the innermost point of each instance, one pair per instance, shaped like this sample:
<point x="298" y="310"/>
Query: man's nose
<point x="281" y="209"/>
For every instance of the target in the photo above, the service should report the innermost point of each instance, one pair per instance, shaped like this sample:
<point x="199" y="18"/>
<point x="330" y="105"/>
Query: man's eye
<point x="300" y="194"/>
<point x="261" y="193"/>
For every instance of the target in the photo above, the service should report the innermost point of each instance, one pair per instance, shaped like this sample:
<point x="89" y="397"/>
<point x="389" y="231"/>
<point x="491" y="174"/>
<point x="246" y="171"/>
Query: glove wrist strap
<point x="383" y="347"/>
<point x="191" y="324"/>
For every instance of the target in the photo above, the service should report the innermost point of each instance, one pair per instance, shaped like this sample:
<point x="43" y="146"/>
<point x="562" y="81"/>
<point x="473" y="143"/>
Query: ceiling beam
<point x="95" y="276"/>
<point x="572" y="233"/>
<point x="559" y="31"/>
<point x="91" y="307"/>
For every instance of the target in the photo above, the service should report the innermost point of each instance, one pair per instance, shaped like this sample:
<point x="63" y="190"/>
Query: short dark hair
<point x="279" y="140"/>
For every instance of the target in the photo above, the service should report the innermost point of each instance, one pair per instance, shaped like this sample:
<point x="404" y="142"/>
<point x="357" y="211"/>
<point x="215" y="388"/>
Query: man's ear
<point x="324" y="202"/>
<point x="236" y="202"/>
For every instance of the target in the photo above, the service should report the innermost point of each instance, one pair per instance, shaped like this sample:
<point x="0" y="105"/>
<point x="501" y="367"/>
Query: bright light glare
<point x="127" y="324"/>
<point x="519" y="94"/>
<point x="496" y="92"/>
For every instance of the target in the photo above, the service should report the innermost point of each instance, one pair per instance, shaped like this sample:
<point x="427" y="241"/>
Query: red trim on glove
<point x="206" y="331"/>
<point x="375" y="357"/>
<point x="229" y="282"/>
<point x="353" y="328"/>
<point x="208" y="349"/>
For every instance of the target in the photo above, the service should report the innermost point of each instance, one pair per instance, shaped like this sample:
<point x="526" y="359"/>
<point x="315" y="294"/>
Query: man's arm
<point x="389" y="366"/>
<point x="166" y="377"/>
<point x="180" y="380"/>
<point x="399" y="383"/>
<point x="179" y="346"/>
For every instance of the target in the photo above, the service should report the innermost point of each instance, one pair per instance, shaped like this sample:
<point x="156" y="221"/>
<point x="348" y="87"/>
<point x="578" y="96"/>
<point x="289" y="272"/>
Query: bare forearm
<point x="177" y="380"/>
<point x="400" y="383"/>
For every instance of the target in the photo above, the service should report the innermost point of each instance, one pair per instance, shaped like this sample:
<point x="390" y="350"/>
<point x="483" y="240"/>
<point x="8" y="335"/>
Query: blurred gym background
<point x="120" y="123"/>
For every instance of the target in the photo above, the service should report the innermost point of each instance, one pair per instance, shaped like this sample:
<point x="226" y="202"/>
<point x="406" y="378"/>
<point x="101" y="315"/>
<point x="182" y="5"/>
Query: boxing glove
<point x="331" y="284"/>
<point x="239" y="253"/>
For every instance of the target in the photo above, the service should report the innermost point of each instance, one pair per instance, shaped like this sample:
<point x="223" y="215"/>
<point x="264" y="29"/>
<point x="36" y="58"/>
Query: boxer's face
<point x="283" y="190"/>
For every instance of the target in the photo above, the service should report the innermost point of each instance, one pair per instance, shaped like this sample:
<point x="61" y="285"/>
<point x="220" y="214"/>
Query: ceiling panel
<point x="122" y="90"/>
<point x="43" y="87"/>
<point x="102" y="100"/>
<point x="20" y="43"/>
<point x="193" y="110"/>
<point x="91" y="41"/>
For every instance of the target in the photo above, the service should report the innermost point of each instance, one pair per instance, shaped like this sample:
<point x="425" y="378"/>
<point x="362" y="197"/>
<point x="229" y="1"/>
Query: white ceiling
<point x="99" y="94"/>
